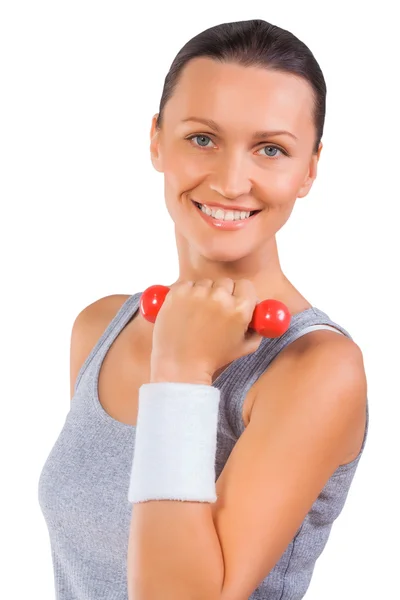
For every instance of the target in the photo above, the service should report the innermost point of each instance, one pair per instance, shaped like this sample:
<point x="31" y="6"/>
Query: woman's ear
<point x="311" y="175"/>
<point x="155" y="145"/>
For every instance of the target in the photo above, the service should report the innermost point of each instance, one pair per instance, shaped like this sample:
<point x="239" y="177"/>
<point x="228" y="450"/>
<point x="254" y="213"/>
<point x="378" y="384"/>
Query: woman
<point x="244" y="448"/>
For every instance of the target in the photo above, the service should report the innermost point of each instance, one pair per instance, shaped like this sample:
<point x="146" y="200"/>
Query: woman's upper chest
<point x="125" y="367"/>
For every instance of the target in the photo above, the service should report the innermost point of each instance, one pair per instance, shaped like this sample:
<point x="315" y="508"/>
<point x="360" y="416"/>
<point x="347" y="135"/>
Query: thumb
<point x="252" y="341"/>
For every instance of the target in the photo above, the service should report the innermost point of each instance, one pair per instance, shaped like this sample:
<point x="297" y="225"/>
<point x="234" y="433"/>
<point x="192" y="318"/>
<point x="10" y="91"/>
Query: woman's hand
<point x="201" y="327"/>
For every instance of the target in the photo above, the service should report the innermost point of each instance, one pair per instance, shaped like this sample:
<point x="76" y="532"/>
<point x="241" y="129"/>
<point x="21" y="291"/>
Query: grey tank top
<point x="83" y="485"/>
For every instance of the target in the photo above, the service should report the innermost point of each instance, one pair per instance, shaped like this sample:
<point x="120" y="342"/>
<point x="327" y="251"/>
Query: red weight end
<point x="151" y="301"/>
<point x="271" y="318"/>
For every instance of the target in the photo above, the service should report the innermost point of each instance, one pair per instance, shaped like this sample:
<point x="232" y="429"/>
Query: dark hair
<point x="253" y="43"/>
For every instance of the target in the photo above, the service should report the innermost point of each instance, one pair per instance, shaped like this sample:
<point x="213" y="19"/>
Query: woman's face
<point x="217" y="146"/>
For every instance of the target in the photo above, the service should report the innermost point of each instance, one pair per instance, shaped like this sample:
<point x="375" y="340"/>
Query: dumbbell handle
<point x="271" y="318"/>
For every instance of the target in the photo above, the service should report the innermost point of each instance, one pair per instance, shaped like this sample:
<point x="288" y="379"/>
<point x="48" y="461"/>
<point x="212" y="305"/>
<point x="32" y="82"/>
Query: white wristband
<point x="176" y="442"/>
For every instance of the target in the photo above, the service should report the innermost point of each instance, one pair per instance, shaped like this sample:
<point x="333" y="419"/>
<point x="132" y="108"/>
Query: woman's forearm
<point x="174" y="552"/>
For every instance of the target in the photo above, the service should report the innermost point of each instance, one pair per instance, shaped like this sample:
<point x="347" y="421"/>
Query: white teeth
<point x="225" y="215"/>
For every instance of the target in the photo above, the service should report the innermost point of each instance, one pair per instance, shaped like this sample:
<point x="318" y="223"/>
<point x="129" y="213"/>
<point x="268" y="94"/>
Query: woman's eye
<point x="203" y="140"/>
<point x="274" y="149"/>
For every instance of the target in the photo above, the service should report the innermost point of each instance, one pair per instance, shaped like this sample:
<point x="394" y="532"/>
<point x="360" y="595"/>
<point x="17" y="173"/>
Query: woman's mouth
<point x="225" y="219"/>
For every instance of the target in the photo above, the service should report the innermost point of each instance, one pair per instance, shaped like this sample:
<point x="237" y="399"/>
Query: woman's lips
<point x="221" y="224"/>
<point x="226" y="208"/>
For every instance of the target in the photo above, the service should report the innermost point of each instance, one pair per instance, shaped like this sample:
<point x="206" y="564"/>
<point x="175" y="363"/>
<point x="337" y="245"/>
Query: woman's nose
<point x="231" y="176"/>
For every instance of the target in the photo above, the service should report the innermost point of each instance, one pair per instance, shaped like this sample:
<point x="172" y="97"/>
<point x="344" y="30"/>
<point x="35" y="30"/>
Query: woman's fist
<point x="201" y="327"/>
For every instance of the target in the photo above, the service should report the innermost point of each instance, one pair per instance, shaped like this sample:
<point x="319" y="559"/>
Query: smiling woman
<point x="198" y="459"/>
<point x="237" y="129"/>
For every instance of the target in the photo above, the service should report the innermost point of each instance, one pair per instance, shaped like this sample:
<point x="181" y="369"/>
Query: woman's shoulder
<point x="88" y="327"/>
<point x="321" y="371"/>
<point x="95" y="317"/>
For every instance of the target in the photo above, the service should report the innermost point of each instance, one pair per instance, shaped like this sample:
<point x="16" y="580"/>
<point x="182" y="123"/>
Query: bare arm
<point x="278" y="467"/>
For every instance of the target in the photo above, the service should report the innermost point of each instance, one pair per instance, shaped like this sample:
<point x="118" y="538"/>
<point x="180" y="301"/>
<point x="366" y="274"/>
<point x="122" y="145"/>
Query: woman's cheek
<point x="286" y="187"/>
<point x="184" y="172"/>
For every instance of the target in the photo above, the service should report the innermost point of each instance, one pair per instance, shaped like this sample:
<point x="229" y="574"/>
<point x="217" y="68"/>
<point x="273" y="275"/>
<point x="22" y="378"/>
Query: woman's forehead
<point x="254" y="95"/>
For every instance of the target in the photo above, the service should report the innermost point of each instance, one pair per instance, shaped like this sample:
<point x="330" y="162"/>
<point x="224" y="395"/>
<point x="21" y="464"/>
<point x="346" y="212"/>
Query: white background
<point x="83" y="216"/>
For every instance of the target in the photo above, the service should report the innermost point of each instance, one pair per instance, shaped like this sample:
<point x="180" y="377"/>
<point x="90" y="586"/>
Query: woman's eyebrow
<point x="256" y="135"/>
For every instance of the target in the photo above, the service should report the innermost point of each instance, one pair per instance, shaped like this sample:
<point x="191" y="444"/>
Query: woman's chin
<point x="214" y="246"/>
<point x="222" y="253"/>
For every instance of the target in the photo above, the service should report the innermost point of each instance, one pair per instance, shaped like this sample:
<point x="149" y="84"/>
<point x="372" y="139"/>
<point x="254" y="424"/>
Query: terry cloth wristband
<point x="176" y="443"/>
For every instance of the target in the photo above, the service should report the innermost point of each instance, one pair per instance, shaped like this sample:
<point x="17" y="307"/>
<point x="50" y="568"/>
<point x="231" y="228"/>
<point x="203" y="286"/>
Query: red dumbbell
<point x="271" y="318"/>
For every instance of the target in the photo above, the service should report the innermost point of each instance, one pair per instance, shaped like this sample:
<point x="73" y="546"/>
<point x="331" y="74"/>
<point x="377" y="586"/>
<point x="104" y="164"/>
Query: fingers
<point x="244" y="288"/>
<point x="245" y="299"/>
<point x="216" y="287"/>
<point x="207" y="283"/>
<point x="181" y="284"/>
<point x="226" y="284"/>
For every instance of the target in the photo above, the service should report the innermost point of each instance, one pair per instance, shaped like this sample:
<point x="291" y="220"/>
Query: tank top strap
<point x="310" y="319"/>
<point x="124" y="314"/>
